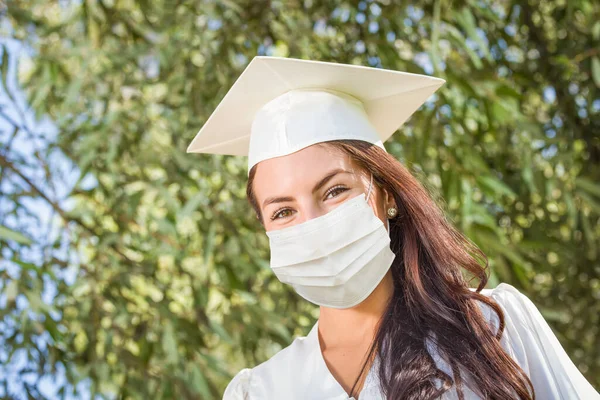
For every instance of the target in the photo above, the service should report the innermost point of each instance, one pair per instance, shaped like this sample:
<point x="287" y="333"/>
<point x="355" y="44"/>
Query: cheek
<point x="381" y="215"/>
<point x="378" y="206"/>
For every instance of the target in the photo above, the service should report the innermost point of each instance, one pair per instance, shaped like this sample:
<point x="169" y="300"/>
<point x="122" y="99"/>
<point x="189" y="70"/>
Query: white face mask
<point x="335" y="260"/>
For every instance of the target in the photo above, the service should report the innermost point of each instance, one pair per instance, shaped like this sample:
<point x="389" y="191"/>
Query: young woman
<point x="351" y="230"/>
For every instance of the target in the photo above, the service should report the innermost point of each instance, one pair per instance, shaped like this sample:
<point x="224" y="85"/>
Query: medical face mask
<point x="335" y="260"/>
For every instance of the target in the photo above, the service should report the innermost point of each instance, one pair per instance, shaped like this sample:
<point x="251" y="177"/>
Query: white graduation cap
<point x="280" y="105"/>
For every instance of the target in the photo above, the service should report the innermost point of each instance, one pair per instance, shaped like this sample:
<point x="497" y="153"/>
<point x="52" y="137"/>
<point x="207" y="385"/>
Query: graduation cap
<point x="280" y="105"/>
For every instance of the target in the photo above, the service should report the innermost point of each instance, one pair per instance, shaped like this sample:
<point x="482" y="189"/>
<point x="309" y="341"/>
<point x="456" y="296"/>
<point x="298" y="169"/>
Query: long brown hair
<point x="431" y="296"/>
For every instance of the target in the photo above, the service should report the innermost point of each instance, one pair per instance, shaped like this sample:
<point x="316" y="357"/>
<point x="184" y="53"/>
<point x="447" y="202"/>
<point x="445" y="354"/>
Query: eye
<point x="286" y="212"/>
<point x="336" y="190"/>
<point x="280" y="213"/>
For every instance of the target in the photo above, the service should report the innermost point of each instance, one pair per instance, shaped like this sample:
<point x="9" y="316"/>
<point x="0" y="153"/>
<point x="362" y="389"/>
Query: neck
<point x="362" y="318"/>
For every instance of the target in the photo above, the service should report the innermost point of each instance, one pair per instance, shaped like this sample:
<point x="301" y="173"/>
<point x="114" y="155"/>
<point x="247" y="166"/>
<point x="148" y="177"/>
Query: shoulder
<point x="239" y="386"/>
<point x="286" y="362"/>
<point x="270" y="378"/>
<point x="504" y="292"/>
<point x="515" y="306"/>
<point x="508" y="295"/>
<point x="531" y="342"/>
<point x="524" y="325"/>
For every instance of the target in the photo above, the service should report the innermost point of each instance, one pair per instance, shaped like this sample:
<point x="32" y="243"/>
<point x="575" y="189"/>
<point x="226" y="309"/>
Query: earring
<point x="391" y="212"/>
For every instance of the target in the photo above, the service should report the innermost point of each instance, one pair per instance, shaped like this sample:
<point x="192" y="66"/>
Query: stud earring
<point x="391" y="212"/>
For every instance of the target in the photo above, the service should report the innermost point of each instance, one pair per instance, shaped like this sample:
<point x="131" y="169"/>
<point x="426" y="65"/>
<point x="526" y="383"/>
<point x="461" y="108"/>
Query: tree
<point x="173" y="292"/>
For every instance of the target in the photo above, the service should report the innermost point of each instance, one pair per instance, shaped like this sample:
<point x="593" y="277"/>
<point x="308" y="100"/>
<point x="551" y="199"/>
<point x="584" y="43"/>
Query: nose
<point x="310" y="209"/>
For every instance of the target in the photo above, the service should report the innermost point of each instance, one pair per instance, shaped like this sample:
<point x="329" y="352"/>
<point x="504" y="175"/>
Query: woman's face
<point x="309" y="183"/>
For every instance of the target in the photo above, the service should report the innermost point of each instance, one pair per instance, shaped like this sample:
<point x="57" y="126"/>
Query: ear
<point x="389" y="200"/>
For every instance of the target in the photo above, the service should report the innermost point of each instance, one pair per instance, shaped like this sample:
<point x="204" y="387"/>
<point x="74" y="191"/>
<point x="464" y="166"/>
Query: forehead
<point x="299" y="171"/>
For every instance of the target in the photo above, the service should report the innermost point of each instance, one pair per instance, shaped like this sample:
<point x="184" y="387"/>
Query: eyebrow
<point x="319" y="185"/>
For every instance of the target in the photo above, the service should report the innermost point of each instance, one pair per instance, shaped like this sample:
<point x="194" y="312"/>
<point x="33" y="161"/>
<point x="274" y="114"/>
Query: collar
<point x="371" y="388"/>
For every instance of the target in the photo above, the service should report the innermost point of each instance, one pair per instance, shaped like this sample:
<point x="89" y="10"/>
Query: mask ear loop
<point x="387" y="220"/>
<point x="370" y="187"/>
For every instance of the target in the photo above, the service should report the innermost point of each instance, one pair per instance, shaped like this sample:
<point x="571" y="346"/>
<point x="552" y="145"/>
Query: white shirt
<point x="300" y="372"/>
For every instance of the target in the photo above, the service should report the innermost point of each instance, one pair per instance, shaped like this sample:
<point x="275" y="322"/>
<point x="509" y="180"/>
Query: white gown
<point x="299" y="370"/>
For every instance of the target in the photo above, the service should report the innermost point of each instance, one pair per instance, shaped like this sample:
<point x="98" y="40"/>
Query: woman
<point x="351" y="230"/>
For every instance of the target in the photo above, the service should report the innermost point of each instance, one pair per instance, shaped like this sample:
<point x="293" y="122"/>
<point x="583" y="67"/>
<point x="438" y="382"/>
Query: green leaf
<point x="527" y="172"/>
<point x="457" y="37"/>
<point x="590" y="201"/>
<point x="36" y="303"/>
<point x="554" y="315"/>
<point x="589" y="235"/>
<point x="219" y="330"/>
<point x="588" y="185"/>
<point x="210" y="243"/>
<point x="467" y="203"/>
<point x="495" y="186"/>
<point x="572" y="211"/>
<point x="596" y="70"/>
<point x="435" y="35"/>
<point x="199" y="383"/>
<point x="11" y="290"/>
<point x="596" y="30"/>
<point x="42" y="92"/>
<point x="466" y="19"/>
<point x="482" y="217"/>
<point x="192" y="205"/>
<point x="9" y="234"/>
<point x="74" y="90"/>
<point x="4" y="66"/>
<point x="169" y="344"/>
<point x="506" y="110"/>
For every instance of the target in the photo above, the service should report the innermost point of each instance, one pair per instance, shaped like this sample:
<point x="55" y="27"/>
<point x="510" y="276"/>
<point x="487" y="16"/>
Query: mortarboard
<point x="280" y="105"/>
